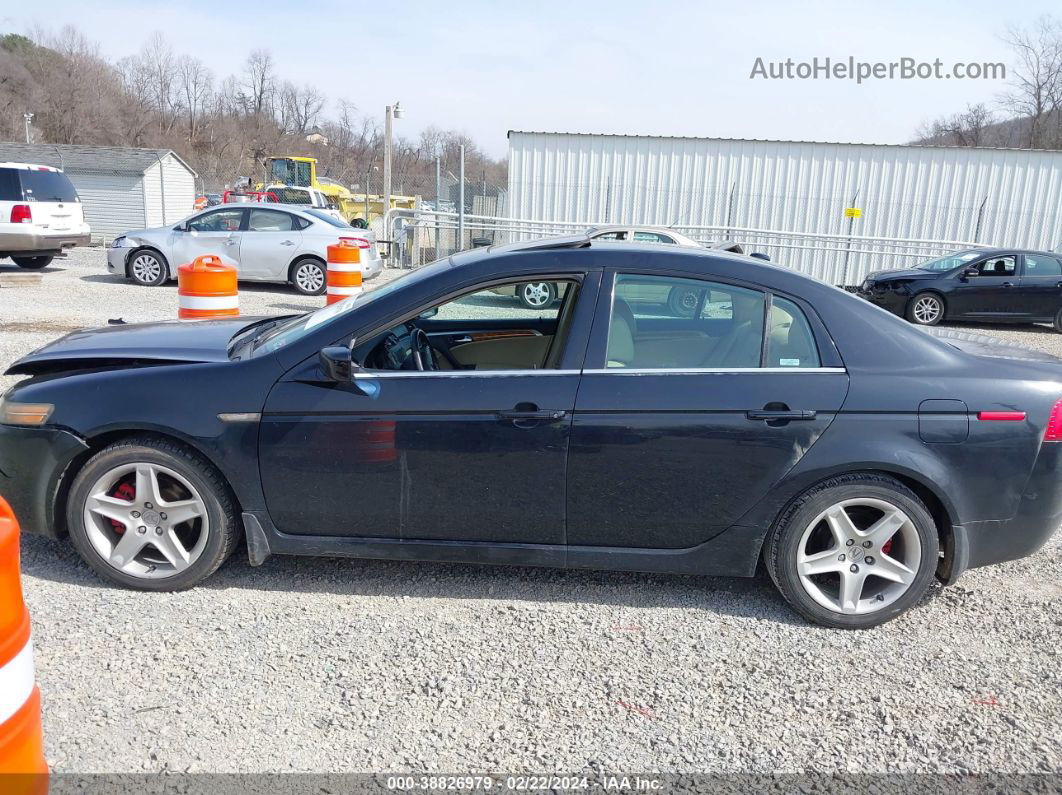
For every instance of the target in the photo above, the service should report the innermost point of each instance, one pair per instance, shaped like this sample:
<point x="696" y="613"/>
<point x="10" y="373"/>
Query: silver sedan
<point x="265" y="242"/>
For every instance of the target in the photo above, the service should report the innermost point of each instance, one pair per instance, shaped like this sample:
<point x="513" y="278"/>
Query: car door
<point x="682" y="422"/>
<point x="991" y="293"/>
<point x="471" y="453"/>
<point x="214" y="232"/>
<point x="1039" y="291"/>
<point x="269" y="245"/>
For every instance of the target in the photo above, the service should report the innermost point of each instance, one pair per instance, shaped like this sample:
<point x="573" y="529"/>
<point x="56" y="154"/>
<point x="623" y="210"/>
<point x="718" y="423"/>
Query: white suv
<point x="40" y="214"/>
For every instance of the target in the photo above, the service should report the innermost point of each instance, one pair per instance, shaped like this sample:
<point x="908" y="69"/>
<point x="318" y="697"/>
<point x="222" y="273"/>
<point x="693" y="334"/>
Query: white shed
<point x="121" y="188"/>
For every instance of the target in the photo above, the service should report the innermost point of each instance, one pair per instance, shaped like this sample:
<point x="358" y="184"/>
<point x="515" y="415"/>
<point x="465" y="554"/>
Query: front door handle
<point x="231" y="241"/>
<point x="287" y="243"/>
<point x="768" y="415"/>
<point x="1006" y="284"/>
<point x="531" y="415"/>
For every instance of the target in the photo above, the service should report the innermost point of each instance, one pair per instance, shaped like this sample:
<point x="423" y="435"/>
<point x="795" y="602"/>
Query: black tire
<point x="33" y="263"/>
<point x="537" y="295"/>
<point x="683" y="301"/>
<point x="783" y="543"/>
<point x="917" y="313"/>
<point x="148" y="268"/>
<point x="308" y="276"/>
<point x="224" y="527"/>
<point x="1058" y="321"/>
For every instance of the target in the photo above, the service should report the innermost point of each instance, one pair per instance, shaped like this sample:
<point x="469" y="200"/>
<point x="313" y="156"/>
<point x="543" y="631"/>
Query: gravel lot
<point x="340" y="665"/>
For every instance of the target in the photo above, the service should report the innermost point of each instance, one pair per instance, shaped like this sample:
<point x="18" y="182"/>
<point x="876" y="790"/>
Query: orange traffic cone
<point x="207" y="287"/>
<point x="21" y="740"/>
<point x="344" y="271"/>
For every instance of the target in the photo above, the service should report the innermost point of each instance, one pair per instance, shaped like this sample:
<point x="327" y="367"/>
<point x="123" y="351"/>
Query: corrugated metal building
<point x="1004" y="197"/>
<point x="120" y="188"/>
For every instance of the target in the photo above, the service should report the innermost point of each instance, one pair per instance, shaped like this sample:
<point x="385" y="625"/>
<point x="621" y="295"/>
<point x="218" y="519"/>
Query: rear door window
<point x="10" y="190"/>
<point x="270" y="221"/>
<point x="1042" y="265"/>
<point x="46" y="186"/>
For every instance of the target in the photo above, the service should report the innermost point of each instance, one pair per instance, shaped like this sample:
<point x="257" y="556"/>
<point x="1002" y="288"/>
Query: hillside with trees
<point x="223" y="125"/>
<point x="1028" y="115"/>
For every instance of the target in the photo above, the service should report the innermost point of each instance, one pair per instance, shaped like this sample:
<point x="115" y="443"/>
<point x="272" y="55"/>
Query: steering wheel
<point x="423" y="355"/>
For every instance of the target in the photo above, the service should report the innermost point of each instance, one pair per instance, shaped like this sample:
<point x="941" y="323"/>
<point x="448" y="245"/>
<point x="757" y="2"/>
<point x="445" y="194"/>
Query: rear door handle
<point x="287" y="243"/>
<point x="767" y="415"/>
<point x="1007" y="284"/>
<point x="531" y="415"/>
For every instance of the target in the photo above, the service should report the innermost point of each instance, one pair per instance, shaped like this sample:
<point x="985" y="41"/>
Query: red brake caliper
<point x="886" y="548"/>
<point x="124" y="491"/>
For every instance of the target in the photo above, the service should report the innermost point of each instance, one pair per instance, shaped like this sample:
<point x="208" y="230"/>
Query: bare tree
<point x="1036" y="79"/>
<point x="196" y="84"/>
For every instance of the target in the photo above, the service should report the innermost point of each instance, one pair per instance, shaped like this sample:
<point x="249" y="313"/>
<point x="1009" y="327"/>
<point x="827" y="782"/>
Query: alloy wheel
<point x="309" y="277"/>
<point x="537" y="294"/>
<point x="859" y="556"/>
<point x="146" y="268"/>
<point x="146" y="520"/>
<point x="927" y="309"/>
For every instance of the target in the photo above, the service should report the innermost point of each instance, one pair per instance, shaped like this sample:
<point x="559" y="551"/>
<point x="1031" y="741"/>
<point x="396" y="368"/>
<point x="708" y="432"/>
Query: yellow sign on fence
<point x="853" y="212"/>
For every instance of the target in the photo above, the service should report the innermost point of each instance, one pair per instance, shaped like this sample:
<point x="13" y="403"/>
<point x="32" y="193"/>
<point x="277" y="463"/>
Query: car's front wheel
<point x="854" y="551"/>
<point x="148" y="268"/>
<point x="151" y="514"/>
<point x="537" y="295"/>
<point x="308" y="276"/>
<point x="925" y="309"/>
<point x="33" y="263"/>
<point x="1058" y="321"/>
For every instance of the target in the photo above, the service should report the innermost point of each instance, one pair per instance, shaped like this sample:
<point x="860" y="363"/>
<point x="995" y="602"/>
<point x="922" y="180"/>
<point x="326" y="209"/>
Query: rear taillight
<point x="1053" y="433"/>
<point x="21" y="214"/>
<point x="360" y="242"/>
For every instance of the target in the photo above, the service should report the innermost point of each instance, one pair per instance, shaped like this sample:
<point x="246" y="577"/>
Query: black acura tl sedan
<point x="991" y="285"/>
<point x="784" y="420"/>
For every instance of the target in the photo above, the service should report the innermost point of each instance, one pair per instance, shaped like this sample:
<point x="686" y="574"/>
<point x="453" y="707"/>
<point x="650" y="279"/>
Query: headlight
<point x="12" y="413"/>
<point x="120" y="242"/>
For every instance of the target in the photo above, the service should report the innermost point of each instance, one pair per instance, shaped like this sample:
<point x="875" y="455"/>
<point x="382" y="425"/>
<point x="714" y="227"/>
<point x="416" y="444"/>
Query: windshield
<point x="291" y="195"/>
<point x="328" y="219"/>
<point x="297" y="327"/>
<point x="950" y="262"/>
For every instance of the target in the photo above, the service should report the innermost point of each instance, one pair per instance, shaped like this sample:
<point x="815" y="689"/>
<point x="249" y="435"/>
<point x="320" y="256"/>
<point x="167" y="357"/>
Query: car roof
<point x="30" y="167"/>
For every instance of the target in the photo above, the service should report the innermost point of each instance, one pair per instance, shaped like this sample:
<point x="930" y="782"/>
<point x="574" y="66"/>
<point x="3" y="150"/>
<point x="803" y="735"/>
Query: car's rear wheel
<point x="537" y="295"/>
<point x="308" y="276"/>
<point x="925" y="309"/>
<point x="1058" y="321"/>
<point x="33" y="263"/>
<point x="148" y="268"/>
<point x="853" y="552"/>
<point x="151" y="514"/>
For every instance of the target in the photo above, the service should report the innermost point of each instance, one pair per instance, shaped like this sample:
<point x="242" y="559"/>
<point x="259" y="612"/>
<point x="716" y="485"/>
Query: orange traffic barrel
<point x="344" y="271"/>
<point x="21" y="740"/>
<point x="206" y="287"/>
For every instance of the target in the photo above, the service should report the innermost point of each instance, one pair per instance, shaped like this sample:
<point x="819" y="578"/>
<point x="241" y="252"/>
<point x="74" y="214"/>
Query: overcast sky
<point x="663" y="68"/>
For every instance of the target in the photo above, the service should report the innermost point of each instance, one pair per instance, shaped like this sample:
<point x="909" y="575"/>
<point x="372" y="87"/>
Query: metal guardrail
<point x="417" y="237"/>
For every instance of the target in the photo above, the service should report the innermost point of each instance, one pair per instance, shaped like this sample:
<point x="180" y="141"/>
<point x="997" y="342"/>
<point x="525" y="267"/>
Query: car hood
<point x="153" y="232"/>
<point x="123" y="345"/>
<point x="893" y="275"/>
<point x="983" y="345"/>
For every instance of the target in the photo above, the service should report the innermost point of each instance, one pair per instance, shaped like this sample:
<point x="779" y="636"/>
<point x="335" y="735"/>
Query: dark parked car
<point x="993" y="285"/>
<point x="431" y="419"/>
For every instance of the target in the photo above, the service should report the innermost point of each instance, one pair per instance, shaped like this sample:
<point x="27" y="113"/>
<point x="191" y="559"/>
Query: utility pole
<point x="391" y="112"/>
<point x="29" y="135"/>
<point x="438" y="200"/>
<point x="461" y="203"/>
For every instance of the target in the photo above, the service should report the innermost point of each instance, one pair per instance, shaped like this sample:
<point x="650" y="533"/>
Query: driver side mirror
<point x="968" y="272"/>
<point x="337" y="363"/>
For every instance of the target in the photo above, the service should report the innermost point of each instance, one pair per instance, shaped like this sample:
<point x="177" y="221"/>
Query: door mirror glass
<point x="970" y="272"/>
<point x="337" y="363"/>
